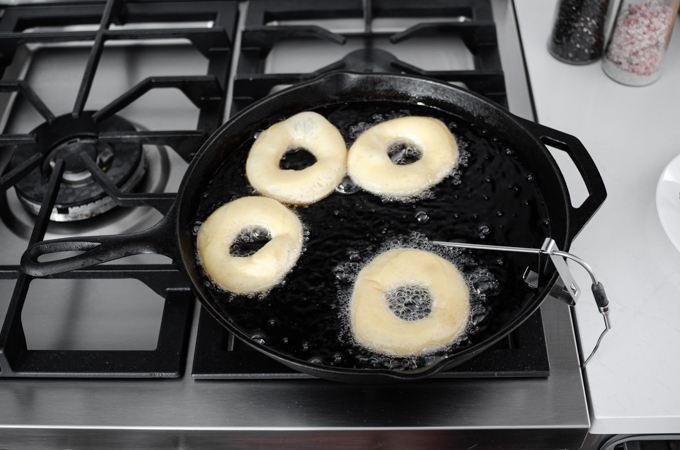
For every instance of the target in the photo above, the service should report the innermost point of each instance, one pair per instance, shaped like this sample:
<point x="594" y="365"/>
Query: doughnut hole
<point x="410" y="302"/>
<point x="296" y="158"/>
<point x="403" y="153"/>
<point x="249" y="241"/>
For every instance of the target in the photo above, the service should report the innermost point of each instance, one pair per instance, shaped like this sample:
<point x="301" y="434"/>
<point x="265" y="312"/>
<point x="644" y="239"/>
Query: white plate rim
<point x="668" y="200"/>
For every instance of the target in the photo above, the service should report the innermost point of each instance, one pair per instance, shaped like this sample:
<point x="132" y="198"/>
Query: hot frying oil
<point x="490" y="198"/>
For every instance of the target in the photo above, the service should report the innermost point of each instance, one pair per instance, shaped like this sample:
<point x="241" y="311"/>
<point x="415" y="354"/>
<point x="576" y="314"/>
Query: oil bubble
<point x="347" y="186"/>
<point x="196" y="227"/>
<point x="259" y="337"/>
<point x="483" y="282"/>
<point x="356" y="130"/>
<point x="463" y="155"/>
<point x="409" y="302"/>
<point x="478" y="317"/>
<point x="422" y="217"/>
<point x="392" y="364"/>
<point x="403" y="153"/>
<point x="343" y="273"/>
<point x="354" y="255"/>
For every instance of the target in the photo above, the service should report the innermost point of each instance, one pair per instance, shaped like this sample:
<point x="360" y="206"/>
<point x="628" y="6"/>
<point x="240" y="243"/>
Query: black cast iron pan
<point x="509" y="191"/>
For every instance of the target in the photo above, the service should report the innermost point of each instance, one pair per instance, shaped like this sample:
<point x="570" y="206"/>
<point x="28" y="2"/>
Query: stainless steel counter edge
<point x="304" y="413"/>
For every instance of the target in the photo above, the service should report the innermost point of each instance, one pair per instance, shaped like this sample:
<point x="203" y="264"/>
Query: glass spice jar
<point x="578" y="34"/>
<point x="639" y="38"/>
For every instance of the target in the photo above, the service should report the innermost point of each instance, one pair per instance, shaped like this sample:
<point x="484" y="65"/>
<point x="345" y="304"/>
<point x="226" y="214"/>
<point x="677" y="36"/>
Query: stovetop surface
<point x="308" y="406"/>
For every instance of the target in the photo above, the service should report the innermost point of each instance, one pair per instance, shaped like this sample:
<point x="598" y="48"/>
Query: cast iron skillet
<point x="173" y="235"/>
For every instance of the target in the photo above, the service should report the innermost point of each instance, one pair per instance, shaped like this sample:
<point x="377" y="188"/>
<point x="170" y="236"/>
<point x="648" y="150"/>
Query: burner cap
<point x="65" y="138"/>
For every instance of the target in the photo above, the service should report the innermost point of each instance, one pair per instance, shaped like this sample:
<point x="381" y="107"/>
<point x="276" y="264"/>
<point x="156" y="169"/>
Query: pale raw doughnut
<point x="265" y="268"/>
<point x="370" y="166"/>
<point x="309" y="131"/>
<point x="376" y="327"/>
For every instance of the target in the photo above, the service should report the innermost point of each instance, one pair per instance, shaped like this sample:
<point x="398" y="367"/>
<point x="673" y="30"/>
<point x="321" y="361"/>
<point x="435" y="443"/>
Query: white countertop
<point x="632" y="133"/>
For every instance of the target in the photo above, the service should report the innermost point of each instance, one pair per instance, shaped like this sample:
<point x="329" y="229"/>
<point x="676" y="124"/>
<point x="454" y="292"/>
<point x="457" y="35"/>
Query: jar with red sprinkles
<point x="635" y="51"/>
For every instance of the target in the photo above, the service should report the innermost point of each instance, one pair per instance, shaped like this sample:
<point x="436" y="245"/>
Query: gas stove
<point x="103" y="106"/>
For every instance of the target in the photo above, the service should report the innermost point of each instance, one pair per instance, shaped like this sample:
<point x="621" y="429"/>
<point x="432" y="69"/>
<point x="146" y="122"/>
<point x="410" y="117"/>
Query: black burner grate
<point x="471" y="20"/>
<point x="51" y="24"/>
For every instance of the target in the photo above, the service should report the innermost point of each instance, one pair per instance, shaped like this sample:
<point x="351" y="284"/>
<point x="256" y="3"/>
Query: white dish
<point x="668" y="200"/>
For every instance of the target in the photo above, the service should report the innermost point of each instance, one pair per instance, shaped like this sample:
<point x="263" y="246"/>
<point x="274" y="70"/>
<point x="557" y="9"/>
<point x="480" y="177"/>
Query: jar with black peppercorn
<point x="578" y="34"/>
<point x="638" y="41"/>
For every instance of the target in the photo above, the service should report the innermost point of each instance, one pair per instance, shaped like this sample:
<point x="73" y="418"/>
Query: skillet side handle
<point x="597" y="192"/>
<point x="98" y="249"/>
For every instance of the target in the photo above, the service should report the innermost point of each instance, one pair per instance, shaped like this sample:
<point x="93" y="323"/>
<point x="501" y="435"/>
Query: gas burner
<point x="72" y="139"/>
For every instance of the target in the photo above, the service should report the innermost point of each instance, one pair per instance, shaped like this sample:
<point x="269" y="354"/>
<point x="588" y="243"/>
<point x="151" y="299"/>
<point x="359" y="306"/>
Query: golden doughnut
<point x="370" y="166"/>
<point x="376" y="327"/>
<point x="309" y="131"/>
<point x="265" y="268"/>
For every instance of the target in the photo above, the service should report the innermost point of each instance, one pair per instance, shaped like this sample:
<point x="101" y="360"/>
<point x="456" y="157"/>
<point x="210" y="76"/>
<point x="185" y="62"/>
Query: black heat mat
<point x="77" y="151"/>
<point x="219" y="355"/>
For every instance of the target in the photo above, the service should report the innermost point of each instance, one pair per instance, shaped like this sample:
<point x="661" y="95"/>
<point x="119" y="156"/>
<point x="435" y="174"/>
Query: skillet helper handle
<point x="597" y="192"/>
<point x="98" y="249"/>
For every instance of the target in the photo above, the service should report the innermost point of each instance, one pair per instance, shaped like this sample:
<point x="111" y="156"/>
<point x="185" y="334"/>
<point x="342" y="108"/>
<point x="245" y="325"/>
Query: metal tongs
<point x="558" y="258"/>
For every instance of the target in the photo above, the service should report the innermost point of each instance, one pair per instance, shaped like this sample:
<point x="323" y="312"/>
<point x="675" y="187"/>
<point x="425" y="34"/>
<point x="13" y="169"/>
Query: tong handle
<point x="600" y="296"/>
<point x="558" y="258"/>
